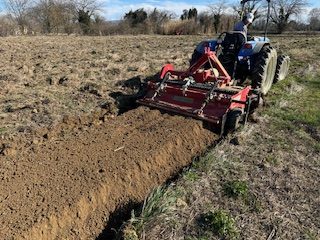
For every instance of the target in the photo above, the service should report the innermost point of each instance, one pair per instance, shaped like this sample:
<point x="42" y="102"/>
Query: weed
<point x="253" y="202"/>
<point x="197" y="238"/>
<point x="301" y="107"/>
<point x="272" y="160"/>
<point x="8" y="108"/>
<point x="204" y="163"/>
<point x="239" y="189"/>
<point x="130" y="234"/>
<point x="191" y="176"/>
<point x="158" y="202"/>
<point x="236" y="189"/>
<point x="220" y="223"/>
<point x="309" y="235"/>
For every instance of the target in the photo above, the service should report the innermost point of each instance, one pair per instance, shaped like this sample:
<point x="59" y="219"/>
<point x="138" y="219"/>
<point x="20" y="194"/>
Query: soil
<point x="44" y="77"/>
<point x="66" y="187"/>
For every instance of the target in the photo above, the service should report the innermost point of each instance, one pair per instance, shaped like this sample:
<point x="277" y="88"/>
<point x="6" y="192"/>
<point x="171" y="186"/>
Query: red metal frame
<point x="223" y="78"/>
<point x="210" y="103"/>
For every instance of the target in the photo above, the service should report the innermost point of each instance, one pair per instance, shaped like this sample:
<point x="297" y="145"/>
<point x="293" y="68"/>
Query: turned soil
<point x="66" y="187"/>
<point x="66" y="160"/>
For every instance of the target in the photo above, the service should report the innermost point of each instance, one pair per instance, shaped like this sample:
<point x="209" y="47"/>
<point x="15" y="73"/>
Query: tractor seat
<point x="231" y="45"/>
<point x="232" y="42"/>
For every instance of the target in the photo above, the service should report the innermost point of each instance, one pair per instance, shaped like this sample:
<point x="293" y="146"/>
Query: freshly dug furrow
<point x="66" y="188"/>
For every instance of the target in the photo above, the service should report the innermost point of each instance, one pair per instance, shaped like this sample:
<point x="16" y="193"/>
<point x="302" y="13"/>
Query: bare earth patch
<point x="44" y="78"/>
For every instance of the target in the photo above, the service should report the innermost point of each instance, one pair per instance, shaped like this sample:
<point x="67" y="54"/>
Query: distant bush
<point x="179" y="27"/>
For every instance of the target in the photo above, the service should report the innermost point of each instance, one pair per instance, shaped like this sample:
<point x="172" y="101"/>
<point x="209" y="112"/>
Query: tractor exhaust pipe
<point x="268" y="17"/>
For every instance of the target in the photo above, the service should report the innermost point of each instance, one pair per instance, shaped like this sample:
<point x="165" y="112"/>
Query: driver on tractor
<point x="242" y="26"/>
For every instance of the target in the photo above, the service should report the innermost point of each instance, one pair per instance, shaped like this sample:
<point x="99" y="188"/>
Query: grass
<point x="130" y="234"/>
<point x="191" y="176"/>
<point x="220" y="223"/>
<point x="153" y="205"/>
<point x="302" y="94"/>
<point x="236" y="188"/>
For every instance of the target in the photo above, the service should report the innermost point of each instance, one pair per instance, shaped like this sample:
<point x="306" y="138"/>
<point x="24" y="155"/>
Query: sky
<point x="115" y="9"/>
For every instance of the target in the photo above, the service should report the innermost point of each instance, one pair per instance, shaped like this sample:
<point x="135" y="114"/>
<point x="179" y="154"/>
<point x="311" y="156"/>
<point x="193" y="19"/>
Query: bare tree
<point x="192" y="13"/>
<point x="157" y="19"/>
<point x="85" y="10"/>
<point x="283" y="10"/>
<point x="206" y="21"/>
<point x="314" y="19"/>
<point x="53" y="15"/>
<point x="18" y="10"/>
<point x="253" y="6"/>
<point x="217" y="9"/>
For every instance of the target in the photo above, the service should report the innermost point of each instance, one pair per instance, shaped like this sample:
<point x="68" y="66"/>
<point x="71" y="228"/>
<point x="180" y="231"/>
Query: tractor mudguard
<point x="251" y="48"/>
<point x="259" y="45"/>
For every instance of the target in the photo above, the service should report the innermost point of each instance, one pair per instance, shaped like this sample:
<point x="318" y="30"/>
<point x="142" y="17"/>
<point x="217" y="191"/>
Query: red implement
<point x="209" y="95"/>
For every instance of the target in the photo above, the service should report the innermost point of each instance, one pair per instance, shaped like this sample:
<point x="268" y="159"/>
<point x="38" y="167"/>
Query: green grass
<point x="158" y="202"/>
<point x="302" y="97"/>
<point x="240" y="190"/>
<point x="191" y="176"/>
<point x="236" y="188"/>
<point x="309" y="235"/>
<point x="220" y="223"/>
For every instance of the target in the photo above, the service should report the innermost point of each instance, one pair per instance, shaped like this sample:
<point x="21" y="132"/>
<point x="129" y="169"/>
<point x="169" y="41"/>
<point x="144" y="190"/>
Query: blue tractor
<point x="247" y="58"/>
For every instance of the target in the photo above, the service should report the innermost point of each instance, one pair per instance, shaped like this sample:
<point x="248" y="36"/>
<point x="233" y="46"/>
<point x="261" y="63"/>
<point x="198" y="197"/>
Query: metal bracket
<point x="161" y="87"/>
<point x="185" y="86"/>
<point x="207" y="100"/>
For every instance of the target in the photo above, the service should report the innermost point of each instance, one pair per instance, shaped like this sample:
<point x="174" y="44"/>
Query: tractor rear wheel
<point x="264" y="69"/>
<point x="282" y="70"/>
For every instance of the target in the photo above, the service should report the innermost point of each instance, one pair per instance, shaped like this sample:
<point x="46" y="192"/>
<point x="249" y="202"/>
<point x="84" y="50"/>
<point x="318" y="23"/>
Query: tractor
<point x="246" y="57"/>
<point x="225" y="82"/>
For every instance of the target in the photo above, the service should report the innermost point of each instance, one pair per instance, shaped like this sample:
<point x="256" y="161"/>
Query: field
<point x="76" y="152"/>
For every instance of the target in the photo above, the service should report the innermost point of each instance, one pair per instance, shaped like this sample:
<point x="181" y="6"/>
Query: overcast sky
<point x="115" y="9"/>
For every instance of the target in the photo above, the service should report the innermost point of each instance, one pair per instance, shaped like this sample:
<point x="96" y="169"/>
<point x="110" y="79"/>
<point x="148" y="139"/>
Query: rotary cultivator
<point x="207" y="94"/>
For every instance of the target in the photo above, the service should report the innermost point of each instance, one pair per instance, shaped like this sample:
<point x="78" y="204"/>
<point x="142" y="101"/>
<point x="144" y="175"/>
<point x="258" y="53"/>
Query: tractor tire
<point x="264" y="69"/>
<point x="282" y="69"/>
<point x="233" y="120"/>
